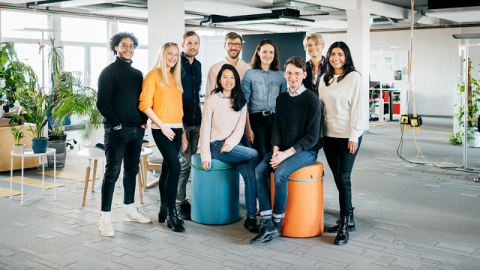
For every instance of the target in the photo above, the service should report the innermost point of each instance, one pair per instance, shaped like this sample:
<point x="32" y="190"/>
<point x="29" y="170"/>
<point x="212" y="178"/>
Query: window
<point x="139" y="30"/>
<point x="98" y="61"/>
<point x="74" y="59"/>
<point x="13" y="24"/>
<point x="84" y="30"/>
<point x="28" y="53"/>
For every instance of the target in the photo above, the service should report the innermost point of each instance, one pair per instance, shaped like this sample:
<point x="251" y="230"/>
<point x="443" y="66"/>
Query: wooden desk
<point x="6" y="146"/>
<point x="475" y="119"/>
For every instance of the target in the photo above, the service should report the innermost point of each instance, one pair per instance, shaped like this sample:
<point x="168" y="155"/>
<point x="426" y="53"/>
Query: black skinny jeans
<point x="121" y="145"/>
<point x="262" y="133"/>
<point x="171" y="165"/>
<point x="341" y="163"/>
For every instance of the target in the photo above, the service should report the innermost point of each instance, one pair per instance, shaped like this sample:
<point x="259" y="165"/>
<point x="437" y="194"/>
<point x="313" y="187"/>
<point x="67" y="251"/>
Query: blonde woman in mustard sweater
<point x="161" y="101"/>
<point x="223" y="125"/>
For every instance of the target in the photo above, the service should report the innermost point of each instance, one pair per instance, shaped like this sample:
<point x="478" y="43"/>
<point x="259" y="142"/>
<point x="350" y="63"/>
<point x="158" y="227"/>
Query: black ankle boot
<point x="162" y="215"/>
<point x="268" y="232"/>
<point x="173" y="221"/>
<point x="251" y="224"/>
<point x="342" y="234"/>
<point x="351" y="224"/>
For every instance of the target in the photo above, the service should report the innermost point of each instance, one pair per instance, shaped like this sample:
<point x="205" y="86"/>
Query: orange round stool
<point x="304" y="209"/>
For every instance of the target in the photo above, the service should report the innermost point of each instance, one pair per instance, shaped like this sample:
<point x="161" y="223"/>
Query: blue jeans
<point x="245" y="160"/>
<point x="281" y="174"/>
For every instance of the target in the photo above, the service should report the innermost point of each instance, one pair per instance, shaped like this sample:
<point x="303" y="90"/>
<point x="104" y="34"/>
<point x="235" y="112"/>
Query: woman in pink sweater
<point x="223" y="124"/>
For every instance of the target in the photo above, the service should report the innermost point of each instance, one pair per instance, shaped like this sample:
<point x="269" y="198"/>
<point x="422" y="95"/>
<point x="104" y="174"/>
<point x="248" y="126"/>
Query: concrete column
<point x="358" y="40"/>
<point x="166" y="23"/>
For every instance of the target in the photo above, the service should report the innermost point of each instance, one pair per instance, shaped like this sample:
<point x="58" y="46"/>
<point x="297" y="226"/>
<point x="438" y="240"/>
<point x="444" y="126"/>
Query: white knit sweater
<point x="344" y="105"/>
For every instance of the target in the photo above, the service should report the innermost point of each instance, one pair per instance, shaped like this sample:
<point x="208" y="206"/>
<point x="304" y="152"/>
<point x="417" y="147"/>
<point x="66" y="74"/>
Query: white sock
<point x="106" y="216"/>
<point x="129" y="207"/>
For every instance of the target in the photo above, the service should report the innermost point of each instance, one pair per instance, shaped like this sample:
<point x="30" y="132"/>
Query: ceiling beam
<point x="377" y="8"/>
<point x="340" y="4"/>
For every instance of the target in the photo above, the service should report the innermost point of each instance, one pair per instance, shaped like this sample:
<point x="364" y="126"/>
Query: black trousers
<point x="341" y="163"/>
<point x="121" y="145"/>
<point x="171" y="165"/>
<point x="262" y="133"/>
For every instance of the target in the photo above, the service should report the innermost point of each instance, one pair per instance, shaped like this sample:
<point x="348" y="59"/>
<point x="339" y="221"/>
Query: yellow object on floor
<point x="68" y="176"/>
<point x="31" y="182"/>
<point x="5" y="192"/>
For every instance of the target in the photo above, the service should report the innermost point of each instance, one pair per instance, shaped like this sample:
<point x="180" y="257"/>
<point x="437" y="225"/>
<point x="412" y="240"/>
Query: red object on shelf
<point x="396" y="108"/>
<point x="385" y="97"/>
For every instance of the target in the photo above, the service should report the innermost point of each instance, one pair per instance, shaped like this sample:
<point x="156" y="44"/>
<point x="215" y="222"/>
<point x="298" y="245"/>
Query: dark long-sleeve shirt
<point x="297" y="122"/>
<point x="191" y="83"/>
<point x="119" y="88"/>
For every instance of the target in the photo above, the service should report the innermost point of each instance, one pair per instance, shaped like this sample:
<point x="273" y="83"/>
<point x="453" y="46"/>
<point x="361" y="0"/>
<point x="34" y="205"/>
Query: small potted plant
<point x="18" y="135"/>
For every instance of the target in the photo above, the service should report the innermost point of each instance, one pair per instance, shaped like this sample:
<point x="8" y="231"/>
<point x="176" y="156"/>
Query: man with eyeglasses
<point x="119" y="88"/>
<point x="233" y="46"/>
<point x="295" y="140"/>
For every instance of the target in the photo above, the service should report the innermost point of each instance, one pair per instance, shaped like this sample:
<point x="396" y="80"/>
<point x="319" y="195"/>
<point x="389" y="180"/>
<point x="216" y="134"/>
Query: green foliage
<point x="17" y="134"/>
<point x="17" y="75"/>
<point x="457" y="138"/>
<point x="37" y="109"/>
<point x="74" y="98"/>
<point x="55" y="60"/>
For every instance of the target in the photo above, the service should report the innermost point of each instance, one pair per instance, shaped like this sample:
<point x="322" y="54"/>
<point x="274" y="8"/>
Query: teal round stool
<point x="215" y="193"/>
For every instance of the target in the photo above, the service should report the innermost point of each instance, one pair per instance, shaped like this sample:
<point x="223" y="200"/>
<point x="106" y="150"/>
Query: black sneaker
<point x="251" y="224"/>
<point x="184" y="211"/>
<point x="268" y="232"/>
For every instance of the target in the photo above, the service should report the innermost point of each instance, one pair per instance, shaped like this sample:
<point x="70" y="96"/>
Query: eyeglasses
<point x="296" y="74"/>
<point x="234" y="44"/>
<point x="124" y="46"/>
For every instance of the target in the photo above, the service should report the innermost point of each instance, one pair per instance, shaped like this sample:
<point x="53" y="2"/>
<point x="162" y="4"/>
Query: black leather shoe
<point x="351" y="224"/>
<point x="279" y="226"/>
<point x="251" y="224"/>
<point x="184" y="211"/>
<point x="342" y="234"/>
<point x="267" y="233"/>
<point x="162" y="215"/>
<point x="173" y="222"/>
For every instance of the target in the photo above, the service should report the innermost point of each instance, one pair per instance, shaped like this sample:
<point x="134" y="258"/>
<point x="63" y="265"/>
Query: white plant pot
<point x="475" y="142"/>
<point x="19" y="148"/>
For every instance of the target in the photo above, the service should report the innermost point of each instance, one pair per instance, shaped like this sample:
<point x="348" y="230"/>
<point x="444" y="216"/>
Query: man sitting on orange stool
<point x="295" y="141"/>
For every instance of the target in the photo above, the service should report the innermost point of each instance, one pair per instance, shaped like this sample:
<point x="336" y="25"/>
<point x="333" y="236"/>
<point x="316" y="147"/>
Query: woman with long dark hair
<point x="343" y="97"/>
<point x="261" y="86"/>
<point x="223" y="125"/>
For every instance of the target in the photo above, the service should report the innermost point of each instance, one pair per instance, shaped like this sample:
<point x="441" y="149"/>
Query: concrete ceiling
<point x="327" y="15"/>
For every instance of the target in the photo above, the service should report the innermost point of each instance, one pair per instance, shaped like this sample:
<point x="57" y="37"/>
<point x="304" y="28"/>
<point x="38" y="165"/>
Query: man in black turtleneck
<point x="119" y="88"/>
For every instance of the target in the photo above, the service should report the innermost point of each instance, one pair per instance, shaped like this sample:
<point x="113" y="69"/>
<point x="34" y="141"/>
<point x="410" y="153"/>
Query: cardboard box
<point x="3" y="122"/>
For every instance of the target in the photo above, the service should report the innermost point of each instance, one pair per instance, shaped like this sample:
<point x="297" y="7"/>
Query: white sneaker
<point x="106" y="228"/>
<point x="135" y="215"/>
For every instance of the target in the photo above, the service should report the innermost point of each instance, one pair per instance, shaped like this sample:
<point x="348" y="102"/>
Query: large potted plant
<point x="17" y="136"/>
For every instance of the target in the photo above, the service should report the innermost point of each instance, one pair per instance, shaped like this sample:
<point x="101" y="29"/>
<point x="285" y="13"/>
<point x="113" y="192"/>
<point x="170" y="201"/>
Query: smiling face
<point x="233" y="47"/>
<point x="191" y="46"/>
<point x="337" y="58"/>
<point x="172" y="56"/>
<point x="266" y="54"/>
<point x="314" y="49"/>
<point x="294" y="76"/>
<point x="125" y="49"/>
<point x="227" y="81"/>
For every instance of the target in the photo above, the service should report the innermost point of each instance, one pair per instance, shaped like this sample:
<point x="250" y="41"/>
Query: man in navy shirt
<point x="192" y="114"/>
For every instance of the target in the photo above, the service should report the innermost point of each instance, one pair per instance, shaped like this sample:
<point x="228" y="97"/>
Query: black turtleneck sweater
<point x="119" y="88"/>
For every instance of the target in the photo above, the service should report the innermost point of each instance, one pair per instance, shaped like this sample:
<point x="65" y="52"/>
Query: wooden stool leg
<point x="140" y="187"/>
<point x="87" y="175"/>
<point x="144" y="176"/>
<point x="94" y="174"/>
<point x="144" y="166"/>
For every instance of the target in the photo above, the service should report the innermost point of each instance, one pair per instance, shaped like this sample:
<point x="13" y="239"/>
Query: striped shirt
<point x="241" y="68"/>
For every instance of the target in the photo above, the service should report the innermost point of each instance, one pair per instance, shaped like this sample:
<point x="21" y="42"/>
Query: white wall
<point x="436" y="63"/>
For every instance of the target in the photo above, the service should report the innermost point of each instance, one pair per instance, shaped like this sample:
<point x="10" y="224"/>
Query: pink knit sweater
<point x="220" y="123"/>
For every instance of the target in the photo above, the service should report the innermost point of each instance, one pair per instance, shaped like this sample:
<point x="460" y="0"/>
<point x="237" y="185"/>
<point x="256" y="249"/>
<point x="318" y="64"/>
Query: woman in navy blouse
<point x="261" y="86"/>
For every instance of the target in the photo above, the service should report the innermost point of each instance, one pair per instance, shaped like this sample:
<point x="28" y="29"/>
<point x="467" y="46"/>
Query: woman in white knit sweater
<point x="343" y="97"/>
<point x="223" y="125"/>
